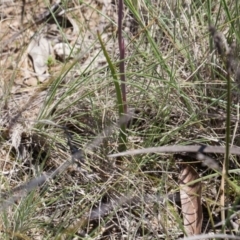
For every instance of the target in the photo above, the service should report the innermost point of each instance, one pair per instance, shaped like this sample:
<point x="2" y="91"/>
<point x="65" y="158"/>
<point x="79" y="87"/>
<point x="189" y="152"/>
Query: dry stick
<point x="179" y="148"/>
<point x="211" y="236"/>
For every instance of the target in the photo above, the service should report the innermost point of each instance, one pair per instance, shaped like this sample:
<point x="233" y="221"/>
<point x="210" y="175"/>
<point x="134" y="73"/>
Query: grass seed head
<point x="220" y="41"/>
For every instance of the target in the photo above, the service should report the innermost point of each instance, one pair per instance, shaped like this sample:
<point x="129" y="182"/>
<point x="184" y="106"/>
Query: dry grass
<point x="176" y="87"/>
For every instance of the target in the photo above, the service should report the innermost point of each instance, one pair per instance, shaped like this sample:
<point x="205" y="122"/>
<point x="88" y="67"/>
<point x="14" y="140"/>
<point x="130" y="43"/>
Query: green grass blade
<point x="122" y="135"/>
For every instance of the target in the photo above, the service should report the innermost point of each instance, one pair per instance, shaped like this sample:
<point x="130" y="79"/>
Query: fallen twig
<point x="179" y="148"/>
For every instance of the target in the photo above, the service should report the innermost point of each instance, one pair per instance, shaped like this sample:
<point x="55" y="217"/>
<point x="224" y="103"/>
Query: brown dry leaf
<point x="190" y="196"/>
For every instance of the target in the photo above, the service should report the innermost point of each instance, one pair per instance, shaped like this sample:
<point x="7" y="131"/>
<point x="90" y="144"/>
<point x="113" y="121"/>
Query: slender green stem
<point x="122" y="135"/>
<point x="228" y="123"/>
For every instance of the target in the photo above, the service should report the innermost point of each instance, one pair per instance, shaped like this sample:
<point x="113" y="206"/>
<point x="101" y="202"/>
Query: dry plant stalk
<point x="190" y="196"/>
<point x="179" y="149"/>
<point x="227" y="53"/>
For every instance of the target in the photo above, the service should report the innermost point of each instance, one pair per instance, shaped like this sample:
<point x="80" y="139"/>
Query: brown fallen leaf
<point x="190" y="196"/>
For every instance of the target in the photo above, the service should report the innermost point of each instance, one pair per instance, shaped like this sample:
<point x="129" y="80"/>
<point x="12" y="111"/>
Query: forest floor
<point x="58" y="94"/>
